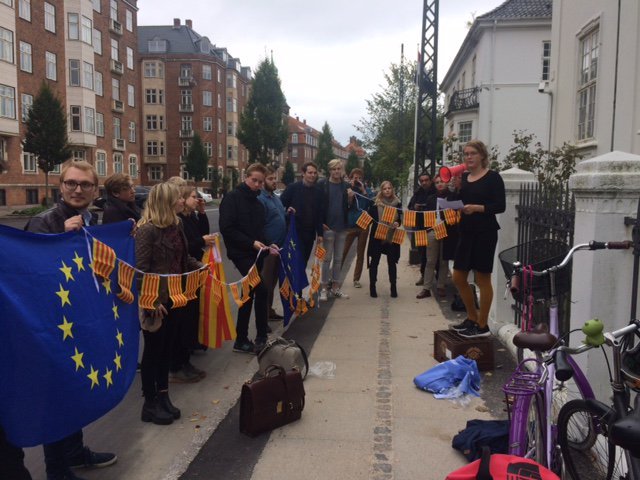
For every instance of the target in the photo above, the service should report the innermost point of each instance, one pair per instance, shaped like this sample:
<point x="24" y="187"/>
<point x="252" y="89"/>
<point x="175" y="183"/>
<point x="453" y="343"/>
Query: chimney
<point x="189" y="24"/>
<point x="304" y="121"/>
<point x="297" y="118"/>
<point x="176" y="23"/>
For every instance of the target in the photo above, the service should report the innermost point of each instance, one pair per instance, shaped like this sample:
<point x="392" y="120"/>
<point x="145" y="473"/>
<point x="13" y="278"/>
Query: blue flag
<point x="293" y="268"/>
<point x="69" y="344"/>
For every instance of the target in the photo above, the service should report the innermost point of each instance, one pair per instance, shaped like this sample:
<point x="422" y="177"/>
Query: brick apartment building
<point x="188" y="86"/>
<point x="86" y="52"/>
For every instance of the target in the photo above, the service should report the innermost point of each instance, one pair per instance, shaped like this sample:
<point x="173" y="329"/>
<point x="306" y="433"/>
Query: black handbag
<point x="271" y="401"/>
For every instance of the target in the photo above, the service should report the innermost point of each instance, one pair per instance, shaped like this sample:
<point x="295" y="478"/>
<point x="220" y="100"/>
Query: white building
<point x="595" y="75"/>
<point x="493" y="85"/>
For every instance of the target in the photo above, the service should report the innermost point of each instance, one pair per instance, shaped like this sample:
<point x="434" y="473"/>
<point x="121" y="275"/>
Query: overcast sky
<point x="330" y="54"/>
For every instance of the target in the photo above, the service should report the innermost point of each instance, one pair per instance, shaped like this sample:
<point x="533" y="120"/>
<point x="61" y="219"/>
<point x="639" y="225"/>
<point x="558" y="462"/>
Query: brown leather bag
<point x="271" y="401"/>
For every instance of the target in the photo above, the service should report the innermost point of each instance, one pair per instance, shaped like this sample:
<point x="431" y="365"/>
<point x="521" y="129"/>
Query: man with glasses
<point x="78" y="188"/>
<point x="418" y="202"/>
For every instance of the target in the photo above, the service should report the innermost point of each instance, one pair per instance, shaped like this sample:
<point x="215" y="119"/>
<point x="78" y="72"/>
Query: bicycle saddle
<point x="538" y="340"/>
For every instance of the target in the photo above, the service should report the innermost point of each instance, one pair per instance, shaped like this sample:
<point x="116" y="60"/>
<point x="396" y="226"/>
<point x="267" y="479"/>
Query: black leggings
<point x="156" y="358"/>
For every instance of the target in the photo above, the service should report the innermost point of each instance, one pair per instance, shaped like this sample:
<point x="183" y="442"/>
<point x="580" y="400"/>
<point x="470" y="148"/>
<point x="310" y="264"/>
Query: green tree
<point x="352" y="161"/>
<point x="368" y="172"/>
<point x="197" y="159"/>
<point x="289" y="175"/>
<point x="46" y="133"/>
<point x="325" y="148"/>
<point x="263" y="127"/>
<point x="235" y="177"/>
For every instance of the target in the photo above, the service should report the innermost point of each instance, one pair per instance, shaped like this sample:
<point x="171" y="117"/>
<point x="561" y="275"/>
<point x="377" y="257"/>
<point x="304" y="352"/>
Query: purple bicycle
<point x="546" y="377"/>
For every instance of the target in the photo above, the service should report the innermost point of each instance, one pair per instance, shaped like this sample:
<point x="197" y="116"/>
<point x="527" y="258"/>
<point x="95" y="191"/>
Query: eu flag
<point x="292" y="268"/>
<point x="69" y="344"/>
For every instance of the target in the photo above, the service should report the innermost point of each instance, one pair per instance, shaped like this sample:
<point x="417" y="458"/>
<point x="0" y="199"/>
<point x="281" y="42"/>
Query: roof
<point x="516" y="9"/>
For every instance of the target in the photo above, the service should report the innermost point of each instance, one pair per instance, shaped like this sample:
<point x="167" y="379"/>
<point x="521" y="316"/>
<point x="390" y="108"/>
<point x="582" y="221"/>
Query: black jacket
<point x="52" y="220"/>
<point x="195" y="227"/>
<point x="241" y="222"/>
<point x="378" y="247"/>
<point x="293" y="196"/>
<point x="117" y="211"/>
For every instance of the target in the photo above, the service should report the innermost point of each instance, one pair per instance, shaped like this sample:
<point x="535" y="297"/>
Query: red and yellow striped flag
<point x="254" y="276"/>
<point x="421" y="238"/>
<point x="429" y="219"/>
<point x="235" y="293"/>
<point x="216" y="324"/>
<point x="178" y="298"/>
<point x="246" y="289"/>
<point x="320" y="252"/>
<point x="285" y="288"/>
<point x="441" y="230"/>
<point x="193" y="283"/>
<point x="149" y="290"/>
<point x="389" y="214"/>
<point x="410" y="218"/>
<point x="104" y="259"/>
<point x="125" y="280"/>
<point x="398" y="236"/>
<point x="381" y="232"/>
<point x="450" y="216"/>
<point x="364" y="220"/>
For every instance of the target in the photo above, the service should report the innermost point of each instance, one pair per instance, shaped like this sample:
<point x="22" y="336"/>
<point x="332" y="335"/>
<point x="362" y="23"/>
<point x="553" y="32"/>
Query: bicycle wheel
<point x="533" y="446"/>
<point x="586" y="451"/>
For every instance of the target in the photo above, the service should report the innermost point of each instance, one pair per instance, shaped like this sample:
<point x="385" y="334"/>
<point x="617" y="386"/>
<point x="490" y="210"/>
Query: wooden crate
<point x="447" y="344"/>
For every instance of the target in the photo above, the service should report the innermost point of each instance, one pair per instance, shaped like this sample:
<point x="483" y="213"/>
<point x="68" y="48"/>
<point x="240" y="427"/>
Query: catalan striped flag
<point x="421" y="238"/>
<point x="193" y="283"/>
<point x="246" y="289"/>
<point x="125" y="281"/>
<point x="177" y="296"/>
<point x="381" y="232"/>
<point x="364" y="220"/>
<point x="104" y="259"/>
<point x="429" y="219"/>
<point x="389" y="214"/>
<point x="398" y="236"/>
<point x="410" y="218"/>
<point x="441" y="230"/>
<point x="149" y="291"/>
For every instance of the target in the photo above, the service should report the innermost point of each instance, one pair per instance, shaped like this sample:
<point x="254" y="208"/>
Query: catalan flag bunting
<point x="193" y="283"/>
<point x="410" y="218"/>
<point x="450" y="216"/>
<point x="292" y="268"/>
<point x="246" y="288"/>
<point x="421" y="238"/>
<point x="216" y="324"/>
<point x="70" y="345"/>
<point x="235" y="293"/>
<point x="389" y="214"/>
<point x="429" y="219"/>
<point x="364" y="220"/>
<point x="441" y="230"/>
<point x="149" y="291"/>
<point x="381" y="232"/>
<point x="177" y="296"/>
<point x="398" y="236"/>
<point x="320" y="252"/>
<point x="254" y="277"/>
<point x="125" y="281"/>
<point x="104" y="259"/>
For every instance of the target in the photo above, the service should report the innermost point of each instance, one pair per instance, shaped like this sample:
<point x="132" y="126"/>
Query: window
<point x="49" y="17"/>
<point x="294" y="138"/>
<point x="74" y="73"/>
<point x="157" y="46"/>
<point x="131" y="96"/>
<point x="24" y="9"/>
<point x="588" y="76"/>
<point x="6" y="45"/>
<point x="87" y="74"/>
<point x="96" y="5"/>
<point x="128" y="20"/>
<point x="32" y="196"/>
<point x="546" y="59"/>
<point x="113" y="10"/>
<point x="7" y="101"/>
<point x="208" y="147"/>
<point x="153" y="95"/>
<point x="99" y="124"/>
<point x="186" y="147"/>
<point x="186" y="123"/>
<point x="76" y="119"/>
<point x="89" y="120"/>
<point x="133" y="166"/>
<point x="207" y="99"/>
<point x="156" y="173"/>
<point x="186" y="97"/>
<point x="86" y="32"/>
<point x="232" y="105"/>
<point x="74" y="26"/>
<point x="51" y="65"/>
<point x="185" y="70"/>
<point x="117" y="163"/>
<point x="29" y="164"/>
<point x="219" y="74"/>
<point x="101" y="164"/>
<point x="115" y="89"/>
<point x="231" y="80"/>
<point x="155" y="148"/>
<point x="155" y="122"/>
<point x="114" y="49"/>
<point x="153" y="70"/>
<point x="464" y="132"/>
<point x="219" y="125"/>
<point x="132" y="132"/>
<point x="117" y="132"/>
<point x="229" y="128"/>
<point x="97" y="84"/>
<point x="219" y="150"/>
<point x="26" y="59"/>
<point x="219" y="101"/>
<point x="27" y="101"/>
<point x="229" y="152"/>
<point x="294" y="152"/>
<point x="206" y="72"/>
<point x="97" y="41"/>
<point x="207" y="124"/>
<point x="130" y="58"/>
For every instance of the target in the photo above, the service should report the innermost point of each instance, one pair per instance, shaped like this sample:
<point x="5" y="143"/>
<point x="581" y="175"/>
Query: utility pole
<point x="427" y="103"/>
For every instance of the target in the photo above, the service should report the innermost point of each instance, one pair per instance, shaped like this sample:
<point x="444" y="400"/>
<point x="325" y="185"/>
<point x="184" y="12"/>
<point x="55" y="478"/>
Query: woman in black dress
<point x="483" y="195"/>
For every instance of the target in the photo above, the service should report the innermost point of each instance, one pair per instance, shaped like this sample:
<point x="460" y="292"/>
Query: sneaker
<point x="420" y="282"/>
<point x="424" y="293"/>
<point x="464" y="325"/>
<point x="89" y="459"/>
<point x="357" y="284"/>
<point x="339" y="294"/>
<point x="475" y="332"/>
<point x="244" y="347"/>
<point x="184" y="375"/>
<point x="324" y="296"/>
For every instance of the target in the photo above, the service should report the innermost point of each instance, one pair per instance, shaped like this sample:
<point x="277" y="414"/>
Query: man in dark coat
<point x="418" y="202"/>
<point x="242" y="228"/>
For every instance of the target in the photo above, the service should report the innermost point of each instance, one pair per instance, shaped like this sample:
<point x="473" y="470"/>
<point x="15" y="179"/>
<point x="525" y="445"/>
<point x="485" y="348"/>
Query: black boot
<point x="152" y="411"/>
<point x="165" y="403"/>
<point x="394" y="291"/>
<point x="373" y="278"/>
<point x="372" y="290"/>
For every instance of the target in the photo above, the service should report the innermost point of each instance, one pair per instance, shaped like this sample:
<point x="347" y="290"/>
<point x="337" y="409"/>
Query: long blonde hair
<point x="159" y="209"/>
<point x="379" y="200"/>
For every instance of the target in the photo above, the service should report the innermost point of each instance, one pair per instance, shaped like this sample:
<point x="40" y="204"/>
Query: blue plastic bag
<point x="451" y="379"/>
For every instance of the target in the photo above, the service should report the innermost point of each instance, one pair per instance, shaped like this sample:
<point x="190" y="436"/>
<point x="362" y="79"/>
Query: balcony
<point x="186" y="81"/>
<point x="155" y="159"/>
<point x="116" y="67"/>
<point x="185" y="107"/>
<point x="118" y="106"/>
<point x="115" y="26"/>
<point x="119" y="144"/>
<point x="186" y="133"/>
<point x="463" y="100"/>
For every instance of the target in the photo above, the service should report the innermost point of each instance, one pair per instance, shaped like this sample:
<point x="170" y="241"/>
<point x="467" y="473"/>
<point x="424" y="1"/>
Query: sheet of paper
<point x="443" y="204"/>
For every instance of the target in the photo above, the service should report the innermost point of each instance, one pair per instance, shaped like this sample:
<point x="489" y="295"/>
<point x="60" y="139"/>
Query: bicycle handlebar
<point x="595" y="338"/>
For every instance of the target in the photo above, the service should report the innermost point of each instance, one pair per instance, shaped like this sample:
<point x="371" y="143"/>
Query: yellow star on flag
<point x="64" y="295"/>
<point x="67" y="272"/>
<point x="107" y="377"/>
<point x="78" y="261"/>
<point x="114" y="309"/>
<point x="78" y="359"/>
<point x="119" y="337"/>
<point x="66" y="328"/>
<point x="93" y="376"/>
<point x="107" y="285"/>
<point x="293" y="244"/>
<point x="118" y="362"/>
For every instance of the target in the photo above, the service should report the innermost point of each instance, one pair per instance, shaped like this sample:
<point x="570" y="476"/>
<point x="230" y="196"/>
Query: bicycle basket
<point x="539" y="254"/>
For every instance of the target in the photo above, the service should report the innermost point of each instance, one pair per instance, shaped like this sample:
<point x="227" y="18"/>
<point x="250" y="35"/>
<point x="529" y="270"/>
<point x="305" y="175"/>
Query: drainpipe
<point x="491" y="82"/>
<point x="615" y="81"/>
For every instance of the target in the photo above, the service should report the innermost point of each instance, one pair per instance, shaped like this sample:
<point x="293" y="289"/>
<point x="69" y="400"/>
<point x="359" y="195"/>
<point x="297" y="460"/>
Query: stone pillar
<point x="501" y="315"/>
<point x="606" y="189"/>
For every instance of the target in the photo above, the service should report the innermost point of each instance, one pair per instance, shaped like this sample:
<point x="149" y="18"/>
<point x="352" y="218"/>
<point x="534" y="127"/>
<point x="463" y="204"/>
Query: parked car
<point x="207" y="197"/>
<point x="278" y="192"/>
